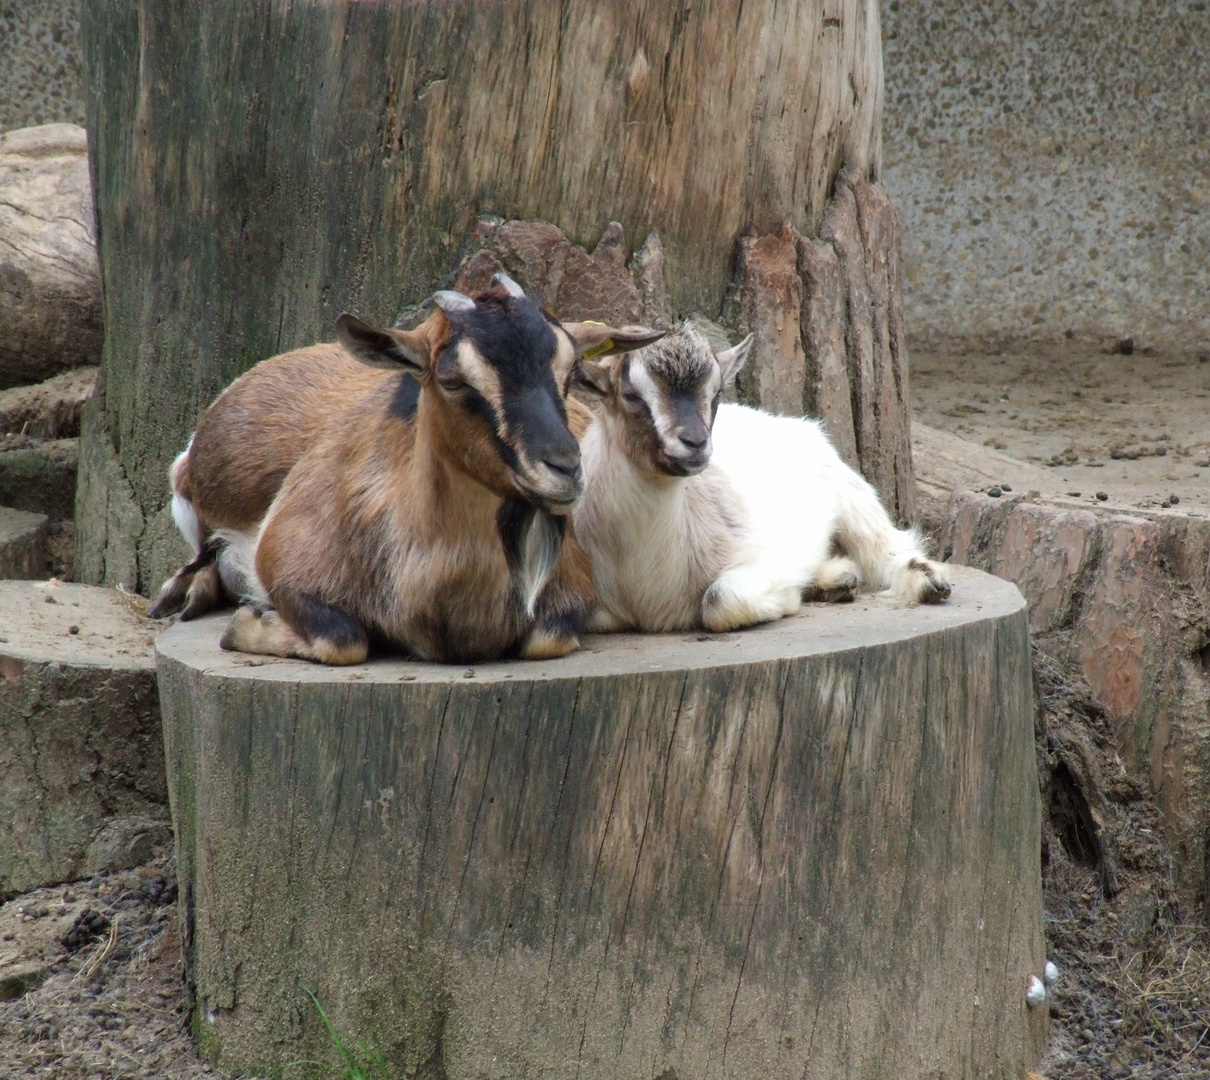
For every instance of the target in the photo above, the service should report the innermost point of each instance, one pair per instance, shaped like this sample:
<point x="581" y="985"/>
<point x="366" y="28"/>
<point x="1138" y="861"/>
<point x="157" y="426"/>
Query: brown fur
<point x="388" y="520"/>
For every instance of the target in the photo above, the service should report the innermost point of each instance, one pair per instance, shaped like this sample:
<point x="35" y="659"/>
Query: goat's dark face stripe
<point x="513" y="362"/>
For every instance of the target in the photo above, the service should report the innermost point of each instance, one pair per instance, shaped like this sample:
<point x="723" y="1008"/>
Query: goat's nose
<point x="564" y="462"/>
<point x="694" y="440"/>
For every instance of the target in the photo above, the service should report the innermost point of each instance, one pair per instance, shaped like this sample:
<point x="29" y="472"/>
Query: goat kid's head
<point x="665" y="397"/>
<point x="495" y="370"/>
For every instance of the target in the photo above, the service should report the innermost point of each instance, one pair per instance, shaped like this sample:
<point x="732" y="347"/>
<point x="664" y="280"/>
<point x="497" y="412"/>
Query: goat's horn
<point x="451" y="301"/>
<point x="511" y="287"/>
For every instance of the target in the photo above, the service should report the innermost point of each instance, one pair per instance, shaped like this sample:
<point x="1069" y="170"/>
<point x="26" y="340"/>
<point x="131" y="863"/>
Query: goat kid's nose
<point x="694" y="440"/>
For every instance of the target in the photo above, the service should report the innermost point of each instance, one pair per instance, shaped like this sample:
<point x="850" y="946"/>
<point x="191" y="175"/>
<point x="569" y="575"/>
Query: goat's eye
<point x="452" y="383"/>
<point x="632" y="397"/>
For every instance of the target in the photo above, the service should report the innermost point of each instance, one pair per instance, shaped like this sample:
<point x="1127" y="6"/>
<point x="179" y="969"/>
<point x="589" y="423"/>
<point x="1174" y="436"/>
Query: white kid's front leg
<point x="747" y="595"/>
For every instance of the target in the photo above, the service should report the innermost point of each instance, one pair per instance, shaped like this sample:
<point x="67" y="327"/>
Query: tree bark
<point x="809" y="850"/>
<point x="261" y="167"/>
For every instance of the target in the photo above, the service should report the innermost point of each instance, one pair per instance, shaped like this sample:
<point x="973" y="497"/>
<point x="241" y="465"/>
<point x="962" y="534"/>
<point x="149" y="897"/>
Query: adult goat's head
<point x="496" y="370"/>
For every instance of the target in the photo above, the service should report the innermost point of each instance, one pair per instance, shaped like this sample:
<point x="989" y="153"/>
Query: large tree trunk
<point x="806" y="851"/>
<point x="261" y="167"/>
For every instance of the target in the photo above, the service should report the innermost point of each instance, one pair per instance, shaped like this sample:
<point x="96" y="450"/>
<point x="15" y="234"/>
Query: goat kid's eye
<point x="452" y="384"/>
<point x="632" y="398"/>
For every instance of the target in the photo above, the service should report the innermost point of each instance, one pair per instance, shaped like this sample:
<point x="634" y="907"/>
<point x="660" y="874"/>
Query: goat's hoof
<point x="934" y="589"/>
<point x="843" y="591"/>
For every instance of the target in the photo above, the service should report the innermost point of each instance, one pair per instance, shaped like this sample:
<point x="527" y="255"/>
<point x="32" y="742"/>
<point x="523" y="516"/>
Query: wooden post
<point x="808" y="850"/>
<point x="260" y="167"/>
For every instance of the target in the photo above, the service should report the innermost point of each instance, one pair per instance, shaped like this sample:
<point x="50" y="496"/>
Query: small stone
<point x="1124" y="347"/>
<point x="1035" y="993"/>
<point x="1102" y="496"/>
<point x="1005" y="487"/>
<point x="1165" y="505"/>
<point x="994" y="492"/>
<point x="1050" y="974"/>
<point x="1074" y="494"/>
<point x="51" y="600"/>
<point x="73" y="629"/>
<point x="1174" y="499"/>
<point x="1160" y="451"/>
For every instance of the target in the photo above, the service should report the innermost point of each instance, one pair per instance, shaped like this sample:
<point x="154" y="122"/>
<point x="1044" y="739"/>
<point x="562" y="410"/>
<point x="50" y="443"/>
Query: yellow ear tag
<point x="601" y="347"/>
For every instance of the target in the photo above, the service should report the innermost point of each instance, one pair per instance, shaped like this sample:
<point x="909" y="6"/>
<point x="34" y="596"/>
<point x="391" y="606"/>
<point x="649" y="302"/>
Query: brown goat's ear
<point x="731" y="361"/>
<point x="596" y="339"/>
<point x="407" y="348"/>
<point x="593" y="378"/>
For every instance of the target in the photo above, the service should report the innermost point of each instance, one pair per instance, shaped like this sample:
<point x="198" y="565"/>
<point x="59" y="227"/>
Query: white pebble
<point x="1036" y="994"/>
<point x="1050" y="974"/>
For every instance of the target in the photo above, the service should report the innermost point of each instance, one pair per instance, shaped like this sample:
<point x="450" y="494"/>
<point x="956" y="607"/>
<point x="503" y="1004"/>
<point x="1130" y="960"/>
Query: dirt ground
<point x="112" y="1003"/>
<point x="1135" y="428"/>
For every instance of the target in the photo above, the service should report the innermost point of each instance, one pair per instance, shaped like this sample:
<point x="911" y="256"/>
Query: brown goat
<point x="423" y="509"/>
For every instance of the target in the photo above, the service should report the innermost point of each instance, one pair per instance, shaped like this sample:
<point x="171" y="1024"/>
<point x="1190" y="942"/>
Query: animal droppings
<point x="1103" y="496"/>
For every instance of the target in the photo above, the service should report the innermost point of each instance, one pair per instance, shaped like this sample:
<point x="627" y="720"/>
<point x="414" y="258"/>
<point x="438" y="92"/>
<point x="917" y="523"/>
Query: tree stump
<point x="806" y="850"/>
<point x="259" y="169"/>
<point x="81" y="754"/>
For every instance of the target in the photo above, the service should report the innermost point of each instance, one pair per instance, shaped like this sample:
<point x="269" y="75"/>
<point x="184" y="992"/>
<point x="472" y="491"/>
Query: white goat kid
<point x="701" y="515"/>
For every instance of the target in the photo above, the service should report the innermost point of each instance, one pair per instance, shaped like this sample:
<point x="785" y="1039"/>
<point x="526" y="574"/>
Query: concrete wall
<point x="41" y="66"/>
<point x="1051" y="163"/>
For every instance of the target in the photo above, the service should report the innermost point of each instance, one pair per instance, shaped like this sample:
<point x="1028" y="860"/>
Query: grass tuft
<point x="364" y="1063"/>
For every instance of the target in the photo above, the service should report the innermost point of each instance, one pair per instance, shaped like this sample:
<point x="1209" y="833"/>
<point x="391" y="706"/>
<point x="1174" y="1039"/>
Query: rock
<point x="50" y="284"/>
<point x="39" y="475"/>
<point x="569" y="281"/>
<point x="80" y="739"/>
<point x="23" y="538"/>
<point x="124" y="843"/>
<point x="48" y="410"/>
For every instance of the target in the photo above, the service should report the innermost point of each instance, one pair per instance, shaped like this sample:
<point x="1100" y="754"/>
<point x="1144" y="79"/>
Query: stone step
<point x="39" y="475"/>
<point x="47" y="410"/>
<point x="80" y="742"/>
<point x="23" y="538"/>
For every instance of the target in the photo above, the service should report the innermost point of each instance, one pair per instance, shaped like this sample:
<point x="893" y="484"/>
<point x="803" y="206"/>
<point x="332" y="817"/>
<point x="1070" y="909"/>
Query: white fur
<point x="802" y="498"/>
<point x="237" y="565"/>
<point x="739" y="542"/>
<point x="183" y="512"/>
<point x="539" y="554"/>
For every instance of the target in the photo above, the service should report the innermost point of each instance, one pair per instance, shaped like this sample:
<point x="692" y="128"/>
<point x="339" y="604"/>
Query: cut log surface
<point x="806" y="850"/>
<point x="80" y="737"/>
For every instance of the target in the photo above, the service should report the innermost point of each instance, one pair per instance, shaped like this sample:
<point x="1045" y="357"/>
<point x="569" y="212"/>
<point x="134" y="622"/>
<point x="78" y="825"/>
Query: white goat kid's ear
<point x="731" y="361"/>
<point x="407" y="348"/>
<point x="596" y="339"/>
<point x="453" y="303"/>
<point x="595" y="378"/>
<point x="507" y="284"/>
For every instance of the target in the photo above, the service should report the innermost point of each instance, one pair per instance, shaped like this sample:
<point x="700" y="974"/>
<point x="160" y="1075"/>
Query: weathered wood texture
<point x="808" y="850"/>
<point x="830" y="335"/>
<point x="261" y="167"/>
<point x="80" y="736"/>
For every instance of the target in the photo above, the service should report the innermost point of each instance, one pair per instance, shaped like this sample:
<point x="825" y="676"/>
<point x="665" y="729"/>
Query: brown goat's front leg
<point x="563" y="606"/>
<point x="196" y="588"/>
<point x="301" y="627"/>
